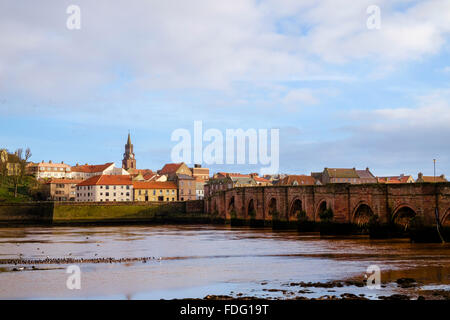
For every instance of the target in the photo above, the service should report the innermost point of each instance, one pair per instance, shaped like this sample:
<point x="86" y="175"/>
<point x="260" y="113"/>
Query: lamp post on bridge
<point x="434" y="170"/>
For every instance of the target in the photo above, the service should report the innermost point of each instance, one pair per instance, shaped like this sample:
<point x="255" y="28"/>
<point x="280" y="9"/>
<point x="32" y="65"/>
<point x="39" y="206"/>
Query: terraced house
<point x="61" y="189"/>
<point x="87" y="171"/>
<point x="344" y="175"/>
<point x="155" y="191"/>
<point x="105" y="188"/>
<point x="45" y="170"/>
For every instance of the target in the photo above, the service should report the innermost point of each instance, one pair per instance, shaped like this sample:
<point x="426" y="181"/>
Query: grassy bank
<point x="26" y="189"/>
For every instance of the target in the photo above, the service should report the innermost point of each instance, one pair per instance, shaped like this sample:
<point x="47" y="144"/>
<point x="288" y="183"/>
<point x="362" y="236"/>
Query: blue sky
<point x="342" y="95"/>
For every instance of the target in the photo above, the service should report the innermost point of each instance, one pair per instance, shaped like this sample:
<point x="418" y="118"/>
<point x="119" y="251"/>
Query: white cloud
<point x="204" y="44"/>
<point x="432" y="111"/>
<point x="300" y="97"/>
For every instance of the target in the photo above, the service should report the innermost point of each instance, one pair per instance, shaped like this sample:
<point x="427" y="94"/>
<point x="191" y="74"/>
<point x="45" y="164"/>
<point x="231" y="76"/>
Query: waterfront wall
<point x="102" y="212"/>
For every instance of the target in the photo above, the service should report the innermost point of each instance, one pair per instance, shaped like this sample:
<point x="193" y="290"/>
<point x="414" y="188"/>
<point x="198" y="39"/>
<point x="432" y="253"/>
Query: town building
<point x="275" y="178"/>
<point x="223" y="181"/>
<point x="201" y="175"/>
<point x="344" y="175"/>
<point x="365" y="176"/>
<point x="199" y="172"/>
<point x="171" y="169"/>
<point x="298" y="180"/>
<point x="396" y="179"/>
<point x="60" y="189"/>
<point x="129" y="160"/>
<point x="155" y="191"/>
<point x="139" y="174"/>
<point x="87" y="171"/>
<point x="186" y="186"/>
<point x="199" y="189"/>
<point x="259" y="180"/>
<point x="107" y="188"/>
<point x="9" y="163"/>
<point x="421" y="178"/>
<point x="47" y="170"/>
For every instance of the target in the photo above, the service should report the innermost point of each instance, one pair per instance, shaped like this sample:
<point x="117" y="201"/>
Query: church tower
<point x="128" y="162"/>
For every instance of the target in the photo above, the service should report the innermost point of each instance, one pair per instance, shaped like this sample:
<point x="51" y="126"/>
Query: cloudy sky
<point x="342" y="95"/>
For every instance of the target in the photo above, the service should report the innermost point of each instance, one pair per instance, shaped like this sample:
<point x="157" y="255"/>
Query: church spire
<point x="129" y="138"/>
<point x="129" y="161"/>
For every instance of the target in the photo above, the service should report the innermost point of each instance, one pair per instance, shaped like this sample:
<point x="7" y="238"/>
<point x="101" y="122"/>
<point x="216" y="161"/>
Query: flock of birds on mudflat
<point x="71" y="260"/>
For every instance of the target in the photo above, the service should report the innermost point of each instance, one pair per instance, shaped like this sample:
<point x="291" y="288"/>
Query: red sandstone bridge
<point x="349" y="203"/>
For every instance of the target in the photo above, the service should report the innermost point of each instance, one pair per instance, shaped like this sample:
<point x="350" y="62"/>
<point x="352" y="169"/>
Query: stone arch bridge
<point x="349" y="203"/>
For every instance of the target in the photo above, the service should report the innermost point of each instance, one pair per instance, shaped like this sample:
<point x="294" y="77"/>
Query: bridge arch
<point x="251" y="209"/>
<point x="362" y="214"/>
<point x="321" y="207"/>
<point x="214" y="206"/>
<point x="231" y="206"/>
<point x="446" y="219"/>
<point x="273" y="207"/>
<point x="295" y="208"/>
<point x="403" y="214"/>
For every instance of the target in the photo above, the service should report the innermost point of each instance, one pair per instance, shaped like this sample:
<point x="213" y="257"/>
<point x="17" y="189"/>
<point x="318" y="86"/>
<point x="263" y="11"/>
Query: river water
<point x="198" y="260"/>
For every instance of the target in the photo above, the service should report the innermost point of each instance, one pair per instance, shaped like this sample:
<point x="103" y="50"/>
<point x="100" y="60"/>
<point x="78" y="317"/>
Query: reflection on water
<point x="201" y="260"/>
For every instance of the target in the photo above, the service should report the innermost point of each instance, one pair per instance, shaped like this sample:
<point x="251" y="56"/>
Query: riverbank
<point x="104" y="213"/>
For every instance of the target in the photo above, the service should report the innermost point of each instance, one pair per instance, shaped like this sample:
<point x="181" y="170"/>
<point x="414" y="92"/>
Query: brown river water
<point x="199" y="260"/>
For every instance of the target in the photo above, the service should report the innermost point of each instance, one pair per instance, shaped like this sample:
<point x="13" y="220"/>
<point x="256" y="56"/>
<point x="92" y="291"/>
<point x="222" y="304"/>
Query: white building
<point x="45" y="170"/>
<point x="108" y="188"/>
<point x="200" y="189"/>
<point x="87" y="171"/>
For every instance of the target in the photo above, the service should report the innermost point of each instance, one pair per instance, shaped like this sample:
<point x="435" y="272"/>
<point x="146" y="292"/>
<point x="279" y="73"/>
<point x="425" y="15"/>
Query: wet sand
<point x="210" y="262"/>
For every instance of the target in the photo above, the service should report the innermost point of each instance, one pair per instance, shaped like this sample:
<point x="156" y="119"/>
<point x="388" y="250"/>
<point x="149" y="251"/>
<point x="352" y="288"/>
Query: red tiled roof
<point x="107" y="180"/>
<point x="48" y="164"/>
<point x="170" y="168"/>
<point x="233" y="174"/>
<point x="300" y="179"/>
<point x="149" y="176"/>
<point x="433" y="179"/>
<point x="64" y="181"/>
<point x="92" y="168"/>
<point x="341" y="173"/>
<point x="154" y="185"/>
<point x="261" y="179"/>
<point x="394" y="179"/>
